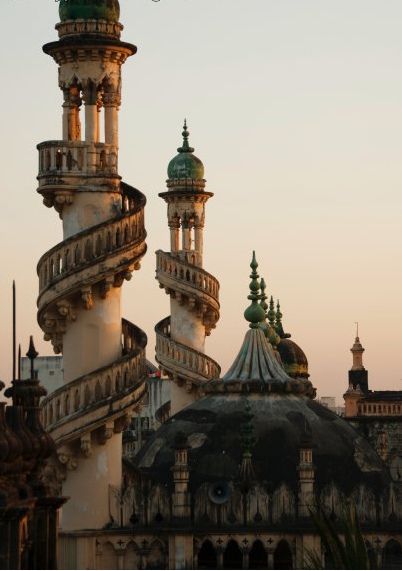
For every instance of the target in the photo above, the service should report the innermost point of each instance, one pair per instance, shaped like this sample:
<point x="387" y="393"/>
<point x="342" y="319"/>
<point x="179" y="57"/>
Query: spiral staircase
<point x="194" y="293"/>
<point x="198" y="291"/>
<point x="99" y="258"/>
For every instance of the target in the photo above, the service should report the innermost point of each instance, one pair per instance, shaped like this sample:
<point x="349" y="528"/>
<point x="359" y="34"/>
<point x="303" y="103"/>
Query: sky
<point x="295" y="108"/>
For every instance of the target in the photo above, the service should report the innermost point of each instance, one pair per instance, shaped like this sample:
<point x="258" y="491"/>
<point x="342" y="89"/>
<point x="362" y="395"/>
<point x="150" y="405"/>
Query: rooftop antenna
<point x="14" y="333"/>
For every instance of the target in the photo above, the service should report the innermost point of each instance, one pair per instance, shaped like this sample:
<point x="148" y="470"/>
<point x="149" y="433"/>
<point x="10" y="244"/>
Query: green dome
<point x="89" y="10"/>
<point x="185" y="164"/>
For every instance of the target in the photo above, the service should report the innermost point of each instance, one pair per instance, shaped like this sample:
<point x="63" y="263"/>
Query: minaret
<point x="193" y="291"/>
<point x="80" y="278"/>
<point x="358" y="375"/>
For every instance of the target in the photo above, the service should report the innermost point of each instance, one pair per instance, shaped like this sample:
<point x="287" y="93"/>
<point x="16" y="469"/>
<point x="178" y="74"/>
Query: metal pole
<point x="14" y="334"/>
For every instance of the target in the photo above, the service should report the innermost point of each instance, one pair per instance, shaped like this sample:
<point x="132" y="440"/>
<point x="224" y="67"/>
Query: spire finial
<point x="263" y="296"/>
<point x="254" y="313"/>
<point x="32" y="354"/>
<point x="278" y="315"/>
<point x="271" y="313"/>
<point x="357" y="329"/>
<point x="185" y="148"/>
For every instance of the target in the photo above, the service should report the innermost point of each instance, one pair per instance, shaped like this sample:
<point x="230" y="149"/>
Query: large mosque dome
<point x="281" y="424"/>
<point x="250" y="428"/>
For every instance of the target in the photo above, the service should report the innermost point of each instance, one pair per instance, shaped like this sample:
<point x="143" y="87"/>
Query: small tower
<point x="194" y="293"/>
<point x="358" y="375"/>
<point x="181" y="504"/>
<point x="306" y="472"/>
<point x="80" y="279"/>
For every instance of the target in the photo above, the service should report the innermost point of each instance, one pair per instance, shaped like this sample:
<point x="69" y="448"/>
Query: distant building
<point x="330" y="403"/>
<point x="48" y="369"/>
<point x="376" y="414"/>
<point x="147" y="421"/>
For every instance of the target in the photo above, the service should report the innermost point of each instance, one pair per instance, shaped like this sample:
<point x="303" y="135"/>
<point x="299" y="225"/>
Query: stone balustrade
<point x="183" y="272"/>
<point x="94" y="244"/>
<point x="98" y="27"/>
<point x="108" y="384"/>
<point x="63" y="158"/>
<point x="180" y="358"/>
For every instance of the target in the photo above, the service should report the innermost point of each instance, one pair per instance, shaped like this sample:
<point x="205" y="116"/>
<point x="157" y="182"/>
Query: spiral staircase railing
<point x="198" y="291"/>
<point x="102" y="256"/>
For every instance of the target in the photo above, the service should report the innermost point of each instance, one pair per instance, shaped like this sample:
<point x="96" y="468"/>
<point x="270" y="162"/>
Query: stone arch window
<point x="76" y="399"/>
<point x="48" y="161"/>
<point x="371" y="555"/>
<point x="88" y="250"/>
<point x="59" y="159"/>
<point x="98" y="246"/>
<point x="126" y="379"/>
<point x="108" y="242"/>
<point x="108" y="387"/>
<point x="126" y="234"/>
<point x="102" y="160"/>
<point x="283" y="556"/>
<point x="69" y="160"/>
<point x="98" y="391"/>
<point x="118" y="238"/>
<point x="87" y="395"/>
<point x="118" y="383"/>
<point x="80" y="159"/>
<point x="132" y="558"/>
<point x="51" y="269"/>
<point x="67" y="404"/>
<point x="58" y="264"/>
<point x="77" y="255"/>
<point x="258" y="558"/>
<point x="207" y="558"/>
<point x="58" y="409"/>
<point x="232" y="557"/>
<point x="66" y="262"/>
<point x="156" y="557"/>
<point x="392" y="555"/>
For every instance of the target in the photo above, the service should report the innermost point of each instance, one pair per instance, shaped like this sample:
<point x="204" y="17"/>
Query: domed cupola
<point x="185" y="170"/>
<point x="258" y="436"/>
<point x="93" y="10"/>
<point x="292" y="356"/>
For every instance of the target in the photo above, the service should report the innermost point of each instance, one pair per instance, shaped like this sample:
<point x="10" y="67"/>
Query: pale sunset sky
<point x="295" y="108"/>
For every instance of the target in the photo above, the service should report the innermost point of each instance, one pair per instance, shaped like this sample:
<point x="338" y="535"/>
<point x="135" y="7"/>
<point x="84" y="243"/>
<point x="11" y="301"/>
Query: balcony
<point x="66" y="159"/>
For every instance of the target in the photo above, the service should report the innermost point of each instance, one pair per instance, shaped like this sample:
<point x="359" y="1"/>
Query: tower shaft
<point x="80" y="278"/>
<point x="194" y="293"/>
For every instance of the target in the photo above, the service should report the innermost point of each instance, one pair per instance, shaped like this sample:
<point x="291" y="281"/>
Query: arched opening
<point x="98" y="391"/>
<point x="108" y="387"/>
<point x="59" y="159"/>
<point x="207" y="558"/>
<point x="69" y="160"/>
<point x="88" y="250"/>
<point x="392" y="555"/>
<point x="233" y="557"/>
<point x="132" y="557"/>
<point x="283" y="556"/>
<point x="76" y="399"/>
<point x="258" y="556"/>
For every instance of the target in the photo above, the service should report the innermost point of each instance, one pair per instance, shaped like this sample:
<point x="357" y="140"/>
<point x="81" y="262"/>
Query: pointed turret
<point x="358" y="375"/>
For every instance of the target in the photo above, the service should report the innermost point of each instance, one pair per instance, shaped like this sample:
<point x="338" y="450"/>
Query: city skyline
<point x="303" y="162"/>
